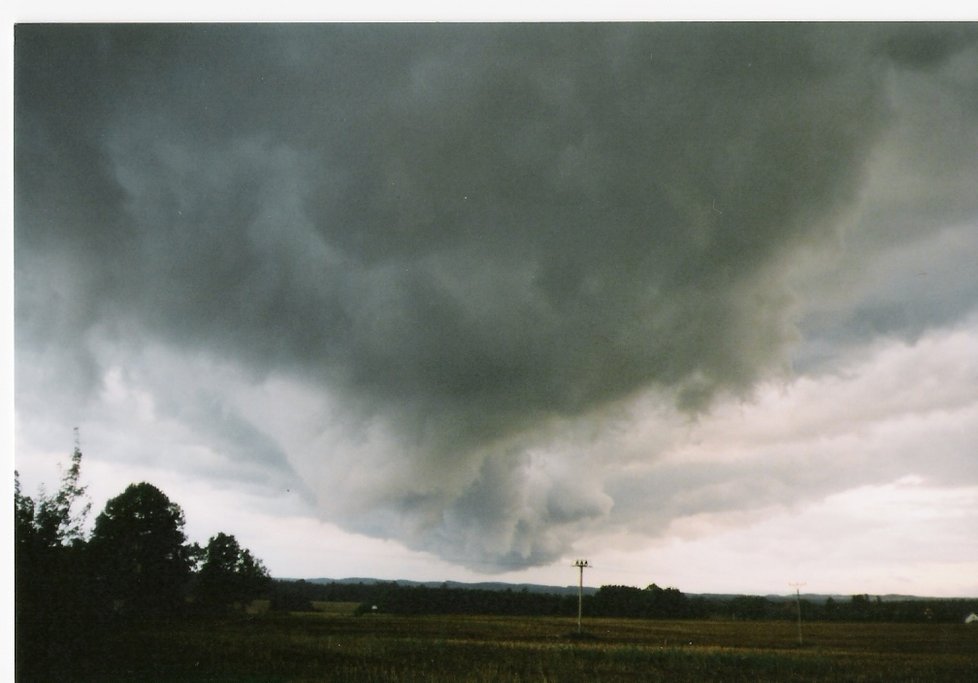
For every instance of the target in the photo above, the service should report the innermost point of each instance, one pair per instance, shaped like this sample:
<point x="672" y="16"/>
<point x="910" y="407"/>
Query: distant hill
<point x="485" y="585"/>
<point x="816" y="598"/>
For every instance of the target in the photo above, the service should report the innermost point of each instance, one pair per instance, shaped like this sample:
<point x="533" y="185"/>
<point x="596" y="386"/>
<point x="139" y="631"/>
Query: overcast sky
<point x="697" y="302"/>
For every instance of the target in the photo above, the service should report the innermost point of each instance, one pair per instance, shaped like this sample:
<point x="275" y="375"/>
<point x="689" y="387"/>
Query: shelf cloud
<point x="439" y="277"/>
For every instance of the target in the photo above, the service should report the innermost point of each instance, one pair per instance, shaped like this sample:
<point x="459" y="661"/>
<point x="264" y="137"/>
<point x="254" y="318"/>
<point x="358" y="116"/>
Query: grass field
<point x="332" y="646"/>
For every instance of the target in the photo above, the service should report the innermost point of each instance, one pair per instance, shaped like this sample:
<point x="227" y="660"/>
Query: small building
<point x="971" y="618"/>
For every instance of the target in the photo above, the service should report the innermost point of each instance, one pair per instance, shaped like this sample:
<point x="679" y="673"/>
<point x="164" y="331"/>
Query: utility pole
<point x="580" y="564"/>
<point x="797" y="586"/>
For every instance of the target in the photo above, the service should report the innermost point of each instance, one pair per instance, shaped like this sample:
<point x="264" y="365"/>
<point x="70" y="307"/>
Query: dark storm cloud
<point x="924" y="46"/>
<point x="907" y="263"/>
<point x="462" y="231"/>
<point x="613" y="169"/>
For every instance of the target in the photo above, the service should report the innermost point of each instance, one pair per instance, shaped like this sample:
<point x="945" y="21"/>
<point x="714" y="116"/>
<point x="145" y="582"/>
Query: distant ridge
<point x="484" y="585"/>
<point x="588" y="590"/>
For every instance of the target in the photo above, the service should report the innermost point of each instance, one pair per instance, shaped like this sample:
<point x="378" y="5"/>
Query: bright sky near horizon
<point x="697" y="302"/>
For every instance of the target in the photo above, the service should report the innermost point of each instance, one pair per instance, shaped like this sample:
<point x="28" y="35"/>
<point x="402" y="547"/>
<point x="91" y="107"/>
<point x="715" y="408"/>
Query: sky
<point x="695" y="302"/>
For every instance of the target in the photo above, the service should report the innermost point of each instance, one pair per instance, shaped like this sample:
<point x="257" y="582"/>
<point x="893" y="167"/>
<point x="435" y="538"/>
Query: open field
<point x="328" y="646"/>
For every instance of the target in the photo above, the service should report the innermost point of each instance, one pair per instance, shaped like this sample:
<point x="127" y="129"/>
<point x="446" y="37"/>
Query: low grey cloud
<point x="462" y="236"/>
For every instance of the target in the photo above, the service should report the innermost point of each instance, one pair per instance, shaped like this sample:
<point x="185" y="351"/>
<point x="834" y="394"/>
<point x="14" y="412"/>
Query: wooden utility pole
<point x="580" y="564"/>
<point x="797" y="587"/>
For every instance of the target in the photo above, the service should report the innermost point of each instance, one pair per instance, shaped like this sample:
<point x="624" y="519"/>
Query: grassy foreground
<point x="330" y="646"/>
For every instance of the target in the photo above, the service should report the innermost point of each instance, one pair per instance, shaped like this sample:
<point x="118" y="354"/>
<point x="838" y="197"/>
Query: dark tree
<point x="51" y="522"/>
<point x="139" y="551"/>
<point x="52" y="609"/>
<point x="230" y="574"/>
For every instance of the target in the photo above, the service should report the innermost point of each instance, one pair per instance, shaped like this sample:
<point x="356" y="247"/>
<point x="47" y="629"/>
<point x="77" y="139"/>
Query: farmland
<point x="334" y="645"/>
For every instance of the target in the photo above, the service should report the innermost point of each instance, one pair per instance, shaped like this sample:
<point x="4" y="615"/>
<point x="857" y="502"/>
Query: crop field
<point x="333" y="646"/>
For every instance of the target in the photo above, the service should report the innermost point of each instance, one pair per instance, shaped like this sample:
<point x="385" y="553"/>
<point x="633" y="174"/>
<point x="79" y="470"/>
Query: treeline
<point x="393" y="598"/>
<point x="854" y="609"/>
<point x="866" y="608"/>
<point x="136" y="563"/>
<point x="652" y="602"/>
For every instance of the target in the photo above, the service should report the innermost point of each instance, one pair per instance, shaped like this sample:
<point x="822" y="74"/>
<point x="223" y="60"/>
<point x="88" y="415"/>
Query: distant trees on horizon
<point x="652" y="602"/>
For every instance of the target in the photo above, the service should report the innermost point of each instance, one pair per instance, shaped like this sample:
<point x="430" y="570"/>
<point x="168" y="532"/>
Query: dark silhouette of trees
<point x="52" y="522"/>
<point x="139" y="551"/>
<point x="651" y="603"/>
<point x="52" y="608"/>
<point x="73" y="592"/>
<point x="230" y="574"/>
